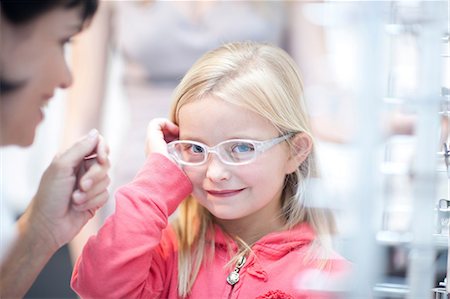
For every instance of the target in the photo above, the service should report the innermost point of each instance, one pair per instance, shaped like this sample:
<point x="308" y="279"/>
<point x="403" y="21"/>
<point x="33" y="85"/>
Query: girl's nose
<point x="216" y="171"/>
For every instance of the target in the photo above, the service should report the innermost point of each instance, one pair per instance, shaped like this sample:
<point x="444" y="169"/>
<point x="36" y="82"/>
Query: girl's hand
<point x="160" y="131"/>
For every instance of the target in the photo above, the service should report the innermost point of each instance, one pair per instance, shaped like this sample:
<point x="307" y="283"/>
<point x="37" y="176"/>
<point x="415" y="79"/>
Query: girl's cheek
<point x="196" y="178"/>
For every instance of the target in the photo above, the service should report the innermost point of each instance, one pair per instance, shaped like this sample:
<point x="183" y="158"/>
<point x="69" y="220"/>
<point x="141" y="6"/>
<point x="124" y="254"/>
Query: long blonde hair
<point x="264" y="79"/>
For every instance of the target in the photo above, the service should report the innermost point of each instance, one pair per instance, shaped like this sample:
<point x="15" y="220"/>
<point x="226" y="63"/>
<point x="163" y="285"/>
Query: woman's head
<point x="32" y="62"/>
<point x="20" y="12"/>
<point x="261" y="82"/>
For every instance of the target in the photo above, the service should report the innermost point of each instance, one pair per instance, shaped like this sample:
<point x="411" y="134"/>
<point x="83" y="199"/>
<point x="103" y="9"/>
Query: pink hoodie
<point x="134" y="255"/>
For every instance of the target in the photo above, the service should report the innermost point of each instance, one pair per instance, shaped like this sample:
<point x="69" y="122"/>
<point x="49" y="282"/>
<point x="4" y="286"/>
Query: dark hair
<point x="23" y="11"/>
<point x="20" y="12"/>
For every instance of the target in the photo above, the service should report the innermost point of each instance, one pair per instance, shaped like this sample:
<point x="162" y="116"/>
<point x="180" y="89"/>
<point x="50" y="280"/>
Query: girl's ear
<point x="301" y="147"/>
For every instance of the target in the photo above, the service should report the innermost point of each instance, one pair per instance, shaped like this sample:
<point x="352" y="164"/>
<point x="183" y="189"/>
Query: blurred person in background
<point x="74" y="186"/>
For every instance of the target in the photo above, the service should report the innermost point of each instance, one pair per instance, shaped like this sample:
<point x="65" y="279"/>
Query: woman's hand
<point x="160" y="132"/>
<point x="72" y="188"/>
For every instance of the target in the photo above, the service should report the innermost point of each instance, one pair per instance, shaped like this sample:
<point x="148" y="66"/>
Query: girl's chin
<point x="224" y="215"/>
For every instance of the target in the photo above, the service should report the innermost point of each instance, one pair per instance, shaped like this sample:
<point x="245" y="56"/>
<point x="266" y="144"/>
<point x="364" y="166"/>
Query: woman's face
<point x="235" y="192"/>
<point x="33" y="54"/>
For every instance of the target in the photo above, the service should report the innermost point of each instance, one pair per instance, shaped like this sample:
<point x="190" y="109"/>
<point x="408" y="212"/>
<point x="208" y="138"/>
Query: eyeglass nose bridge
<point x="214" y="150"/>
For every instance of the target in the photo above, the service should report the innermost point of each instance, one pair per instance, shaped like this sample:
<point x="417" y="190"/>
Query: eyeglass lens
<point x="229" y="151"/>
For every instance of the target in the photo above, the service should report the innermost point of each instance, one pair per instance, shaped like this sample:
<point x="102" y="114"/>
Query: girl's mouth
<point x="224" y="193"/>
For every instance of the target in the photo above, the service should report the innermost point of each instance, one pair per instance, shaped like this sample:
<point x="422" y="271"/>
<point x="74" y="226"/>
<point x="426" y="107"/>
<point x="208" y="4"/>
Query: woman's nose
<point x="66" y="79"/>
<point x="217" y="170"/>
<point x="64" y="75"/>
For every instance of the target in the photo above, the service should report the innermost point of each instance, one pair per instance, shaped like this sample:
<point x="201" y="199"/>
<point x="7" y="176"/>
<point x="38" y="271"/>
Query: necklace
<point x="233" y="277"/>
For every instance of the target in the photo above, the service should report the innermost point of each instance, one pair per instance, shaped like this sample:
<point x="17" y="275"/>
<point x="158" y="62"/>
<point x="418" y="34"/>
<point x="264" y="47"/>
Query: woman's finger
<point x="94" y="203"/>
<point x="93" y="174"/>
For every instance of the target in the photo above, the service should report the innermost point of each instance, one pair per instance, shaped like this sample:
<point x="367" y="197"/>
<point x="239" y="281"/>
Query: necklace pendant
<point x="233" y="278"/>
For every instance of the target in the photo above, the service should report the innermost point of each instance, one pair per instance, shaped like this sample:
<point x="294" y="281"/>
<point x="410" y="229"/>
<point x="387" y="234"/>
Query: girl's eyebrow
<point x="226" y="139"/>
<point x="191" y="138"/>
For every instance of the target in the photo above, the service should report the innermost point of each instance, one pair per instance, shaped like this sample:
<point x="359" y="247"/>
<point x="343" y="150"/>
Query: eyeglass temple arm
<point x="269" y="143"/>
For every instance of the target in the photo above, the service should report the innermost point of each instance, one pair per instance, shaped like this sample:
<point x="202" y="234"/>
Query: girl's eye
<point x="242" y="147"/>
<point x="197" y="149"/>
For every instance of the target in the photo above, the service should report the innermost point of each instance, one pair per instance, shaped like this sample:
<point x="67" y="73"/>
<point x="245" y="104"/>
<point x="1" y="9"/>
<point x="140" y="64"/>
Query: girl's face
<point x="33" y="54"/>
<point x="231" y="192"/>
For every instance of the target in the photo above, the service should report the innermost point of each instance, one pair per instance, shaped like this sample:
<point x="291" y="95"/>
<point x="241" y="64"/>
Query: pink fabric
<point x="134" y="255"/>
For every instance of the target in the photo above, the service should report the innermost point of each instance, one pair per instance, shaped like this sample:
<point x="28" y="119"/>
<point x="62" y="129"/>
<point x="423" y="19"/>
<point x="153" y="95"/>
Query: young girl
<point x="238" y="154"/>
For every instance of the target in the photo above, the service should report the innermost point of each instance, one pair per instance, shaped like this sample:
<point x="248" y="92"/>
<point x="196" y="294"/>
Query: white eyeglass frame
<point x="260" y="147"/>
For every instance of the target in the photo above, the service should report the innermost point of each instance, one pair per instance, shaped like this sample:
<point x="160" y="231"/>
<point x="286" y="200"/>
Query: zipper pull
<point x="233" y="277"/>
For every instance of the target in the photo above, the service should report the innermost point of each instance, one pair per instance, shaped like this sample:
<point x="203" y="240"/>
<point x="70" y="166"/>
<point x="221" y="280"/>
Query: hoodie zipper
<point x="233" y="277"/>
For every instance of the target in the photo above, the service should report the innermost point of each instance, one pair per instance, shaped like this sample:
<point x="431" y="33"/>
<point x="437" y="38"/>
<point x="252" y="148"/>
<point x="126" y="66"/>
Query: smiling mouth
<point x="224" y="193"/>
<point x="46" y="100"/>
<point x="44" y="105"/>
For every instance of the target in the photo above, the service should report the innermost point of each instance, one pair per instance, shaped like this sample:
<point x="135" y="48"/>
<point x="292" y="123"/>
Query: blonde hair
<point x="264" y="79"/>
